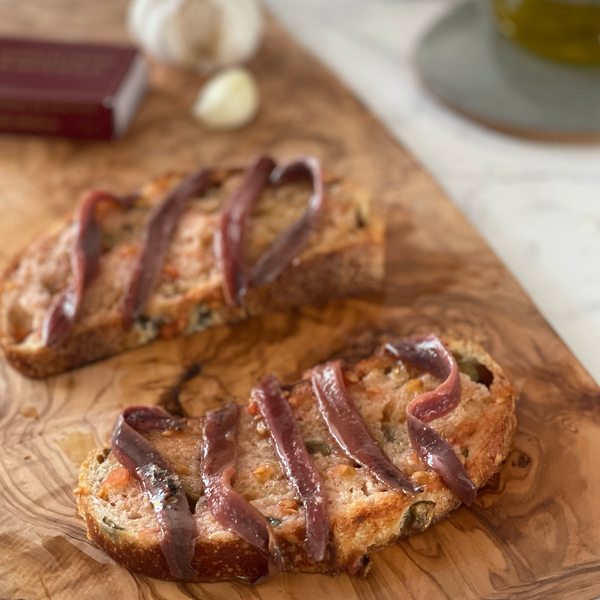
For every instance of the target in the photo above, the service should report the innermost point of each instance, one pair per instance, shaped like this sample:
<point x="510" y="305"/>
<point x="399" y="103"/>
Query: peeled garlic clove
<point x="228" y="99"/>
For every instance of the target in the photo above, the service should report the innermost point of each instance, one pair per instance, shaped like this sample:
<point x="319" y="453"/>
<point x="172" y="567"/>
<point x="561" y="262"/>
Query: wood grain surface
<point x="533" y="534"/>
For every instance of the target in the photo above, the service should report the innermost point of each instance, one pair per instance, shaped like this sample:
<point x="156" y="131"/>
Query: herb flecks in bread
<point x="365" y="515"/>
<point x="343" y="255"/>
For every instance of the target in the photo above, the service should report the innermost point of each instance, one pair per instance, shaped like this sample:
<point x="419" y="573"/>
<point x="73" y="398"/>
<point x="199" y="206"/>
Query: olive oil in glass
<point x="560" y="29"/>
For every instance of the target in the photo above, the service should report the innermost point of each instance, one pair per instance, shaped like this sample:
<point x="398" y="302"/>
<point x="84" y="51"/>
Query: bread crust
<point x="365" y="529"/>
<point x="355" y="268"/>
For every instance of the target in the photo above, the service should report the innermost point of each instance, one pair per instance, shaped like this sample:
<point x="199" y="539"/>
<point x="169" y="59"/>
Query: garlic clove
<point x="228" y="100"/>
<point x="160" y="34"/>
<point x="240" y="32"/>
<point x="174" y="31"/>
<point x="138" y="14"/>
<point x="199" y="34"/>
<point x="191" y="32"/>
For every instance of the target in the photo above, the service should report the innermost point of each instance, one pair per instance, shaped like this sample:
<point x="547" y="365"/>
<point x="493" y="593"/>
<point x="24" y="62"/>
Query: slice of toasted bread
<point x="344" y="256"/>
<point x="365" y="515"/>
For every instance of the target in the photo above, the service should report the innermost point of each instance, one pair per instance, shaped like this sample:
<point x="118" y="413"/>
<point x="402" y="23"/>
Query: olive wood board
<point x="533" y="533"/>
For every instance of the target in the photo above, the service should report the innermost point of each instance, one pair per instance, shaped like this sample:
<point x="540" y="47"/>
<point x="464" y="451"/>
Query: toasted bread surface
<point x="365" y="515"/>
<point x="344" y="256"/>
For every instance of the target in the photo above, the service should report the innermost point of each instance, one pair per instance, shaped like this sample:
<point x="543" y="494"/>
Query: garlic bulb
<point x="200" y="34"/>
<point x="228" y="99"/>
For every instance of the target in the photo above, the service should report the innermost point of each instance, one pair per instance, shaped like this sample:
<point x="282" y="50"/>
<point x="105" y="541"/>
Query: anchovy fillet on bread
<point x="305" y="478"/>
<point x="185" y="254"/>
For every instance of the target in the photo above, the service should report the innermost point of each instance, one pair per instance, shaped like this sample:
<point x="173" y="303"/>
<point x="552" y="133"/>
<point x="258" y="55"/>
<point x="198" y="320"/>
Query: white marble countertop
<point x="537" y="204"/>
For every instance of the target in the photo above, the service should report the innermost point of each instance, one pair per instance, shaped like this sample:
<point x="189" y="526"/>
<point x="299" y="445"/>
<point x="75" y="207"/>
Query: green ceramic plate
<point x="492" y="79"/>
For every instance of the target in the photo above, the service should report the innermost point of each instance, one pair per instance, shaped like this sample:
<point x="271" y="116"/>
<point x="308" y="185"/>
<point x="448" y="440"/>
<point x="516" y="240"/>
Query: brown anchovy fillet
<point x="291" y="242"/>
<point x="435" y="451"/>
<point x="428" y="353"/>
<point x="230" y="239"/>
<point x="289" y="445"/>
<point x="144" y="418"/>
<point x="230" y="509"/>
<point x="85" y="254"/>
<point x="155" y="245"/>
<point x="160" y="482"/>
<point x="350" y="431"/>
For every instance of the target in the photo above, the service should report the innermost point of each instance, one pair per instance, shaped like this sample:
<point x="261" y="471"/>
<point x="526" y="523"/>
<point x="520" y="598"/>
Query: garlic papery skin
<point x="201" y="34"/>
<point x="228" y="100"/>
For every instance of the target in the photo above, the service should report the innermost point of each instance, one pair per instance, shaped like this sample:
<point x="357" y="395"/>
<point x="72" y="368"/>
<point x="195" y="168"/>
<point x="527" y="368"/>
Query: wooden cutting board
<point x="534" y="532"/>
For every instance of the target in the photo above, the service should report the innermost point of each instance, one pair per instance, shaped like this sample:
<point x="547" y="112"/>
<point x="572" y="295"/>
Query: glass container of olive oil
<point x="561" y="29"/>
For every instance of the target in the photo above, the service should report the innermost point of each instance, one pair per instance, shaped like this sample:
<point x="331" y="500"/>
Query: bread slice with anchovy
<point x="365" y="515"/>
<point x="344" y="255"/>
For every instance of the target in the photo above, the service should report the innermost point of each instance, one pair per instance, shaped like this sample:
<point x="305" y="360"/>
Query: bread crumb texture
<point x="189" y="295"/>
<point x="365" y="515"/>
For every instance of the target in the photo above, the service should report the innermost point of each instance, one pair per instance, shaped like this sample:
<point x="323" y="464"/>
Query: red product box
<point x="69" y="90"/>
